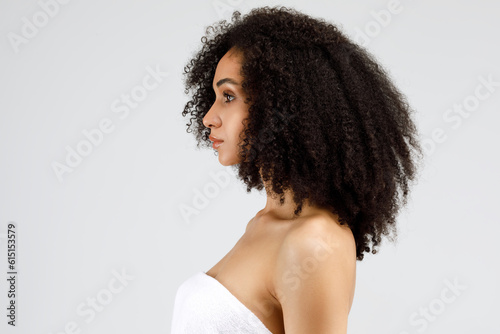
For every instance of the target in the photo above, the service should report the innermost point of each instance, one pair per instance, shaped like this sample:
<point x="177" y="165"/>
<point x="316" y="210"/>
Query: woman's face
<point x="226" y="115"/>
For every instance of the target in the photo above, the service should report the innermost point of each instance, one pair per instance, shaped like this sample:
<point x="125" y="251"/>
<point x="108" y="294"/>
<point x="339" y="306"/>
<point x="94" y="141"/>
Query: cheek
<point x="240" y="129"/>
<point x="236" y="127"/>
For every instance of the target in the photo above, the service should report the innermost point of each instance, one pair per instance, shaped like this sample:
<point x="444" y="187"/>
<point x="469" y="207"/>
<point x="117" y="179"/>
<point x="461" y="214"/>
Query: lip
<point x="215" y="139"/>
<point x="216" y="144"/>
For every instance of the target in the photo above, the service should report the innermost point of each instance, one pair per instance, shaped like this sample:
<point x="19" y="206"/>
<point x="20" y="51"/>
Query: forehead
<point x="229" y="66"/>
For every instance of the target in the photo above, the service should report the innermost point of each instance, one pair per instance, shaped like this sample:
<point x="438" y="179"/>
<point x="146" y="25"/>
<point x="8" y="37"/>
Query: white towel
<point x="204" y="305"/>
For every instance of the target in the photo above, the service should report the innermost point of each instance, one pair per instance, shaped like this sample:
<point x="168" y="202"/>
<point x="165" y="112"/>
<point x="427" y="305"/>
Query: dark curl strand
<point x="324" y="119"/>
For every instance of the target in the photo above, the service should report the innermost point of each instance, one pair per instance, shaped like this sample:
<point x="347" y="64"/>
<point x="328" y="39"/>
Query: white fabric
<point x="204" y="305"/>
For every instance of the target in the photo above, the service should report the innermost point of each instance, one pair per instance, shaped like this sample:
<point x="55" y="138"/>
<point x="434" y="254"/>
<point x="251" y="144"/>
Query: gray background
<point x="119" y="209"/>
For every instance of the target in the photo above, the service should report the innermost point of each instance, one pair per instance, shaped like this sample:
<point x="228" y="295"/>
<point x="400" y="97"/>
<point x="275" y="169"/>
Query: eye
<point x="227" y="95"/>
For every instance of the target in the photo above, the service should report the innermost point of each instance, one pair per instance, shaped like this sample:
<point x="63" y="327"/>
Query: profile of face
<point x="225" y="117"/>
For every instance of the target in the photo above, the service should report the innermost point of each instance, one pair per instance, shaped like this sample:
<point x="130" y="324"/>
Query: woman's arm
<point x="315" y="277"/>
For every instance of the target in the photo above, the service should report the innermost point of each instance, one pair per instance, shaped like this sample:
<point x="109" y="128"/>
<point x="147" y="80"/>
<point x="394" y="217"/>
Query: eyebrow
<point x="228" y="80"/>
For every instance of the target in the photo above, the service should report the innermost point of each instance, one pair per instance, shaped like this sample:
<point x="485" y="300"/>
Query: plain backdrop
<point x="103" y="240"/>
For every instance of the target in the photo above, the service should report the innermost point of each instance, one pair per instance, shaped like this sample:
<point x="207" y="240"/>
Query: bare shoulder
<point x="315" y="275"/>
<point x="320" y="231"/>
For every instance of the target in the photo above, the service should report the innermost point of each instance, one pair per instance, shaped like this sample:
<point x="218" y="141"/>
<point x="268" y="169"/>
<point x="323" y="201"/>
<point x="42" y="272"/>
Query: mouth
<point x="216" y="144"/>
<point x="216" y="141"/>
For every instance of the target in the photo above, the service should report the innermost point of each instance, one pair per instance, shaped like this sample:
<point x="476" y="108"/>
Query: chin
<point x="227" y="161"/>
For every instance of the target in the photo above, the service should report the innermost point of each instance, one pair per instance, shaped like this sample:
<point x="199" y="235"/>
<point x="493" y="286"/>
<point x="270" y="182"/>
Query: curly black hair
<point x="334" y="127"/>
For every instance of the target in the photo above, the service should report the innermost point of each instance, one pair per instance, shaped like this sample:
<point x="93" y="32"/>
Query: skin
<point x="225" y="117"/>
<point x="297" y="275"/>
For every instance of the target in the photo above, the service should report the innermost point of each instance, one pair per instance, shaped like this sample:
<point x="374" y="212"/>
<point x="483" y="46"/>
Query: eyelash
<point x="226" y="95"/>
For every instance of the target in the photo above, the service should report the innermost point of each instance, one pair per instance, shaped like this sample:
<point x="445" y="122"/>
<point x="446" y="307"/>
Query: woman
<point x="305" y="113"/>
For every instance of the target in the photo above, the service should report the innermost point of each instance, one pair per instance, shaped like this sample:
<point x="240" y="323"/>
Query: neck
<point x="283" y="211"/>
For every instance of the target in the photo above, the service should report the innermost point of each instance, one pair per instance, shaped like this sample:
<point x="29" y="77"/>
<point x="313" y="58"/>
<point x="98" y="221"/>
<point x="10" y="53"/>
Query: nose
<point x="211" y="119"/>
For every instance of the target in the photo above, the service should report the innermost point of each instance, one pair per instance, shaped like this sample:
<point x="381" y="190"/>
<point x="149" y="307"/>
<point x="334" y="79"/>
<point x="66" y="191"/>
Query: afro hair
<point x="325" y="120"/>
